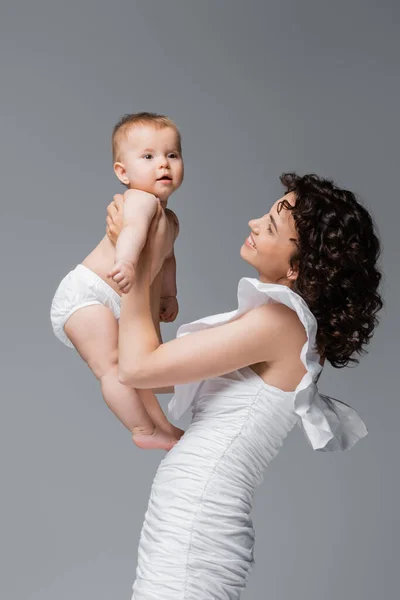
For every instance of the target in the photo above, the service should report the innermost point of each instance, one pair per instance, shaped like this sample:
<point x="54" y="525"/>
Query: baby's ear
<point x="120" y="171"/>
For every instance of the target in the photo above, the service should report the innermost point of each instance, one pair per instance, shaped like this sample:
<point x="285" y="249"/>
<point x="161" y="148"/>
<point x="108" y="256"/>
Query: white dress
<point x="197" y="538"/>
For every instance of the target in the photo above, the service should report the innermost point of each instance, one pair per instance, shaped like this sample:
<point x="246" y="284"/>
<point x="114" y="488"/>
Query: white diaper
<point x="81" y="287"/>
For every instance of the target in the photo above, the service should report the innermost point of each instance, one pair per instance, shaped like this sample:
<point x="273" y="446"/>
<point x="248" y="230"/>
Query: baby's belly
<point x="101" y="261"/>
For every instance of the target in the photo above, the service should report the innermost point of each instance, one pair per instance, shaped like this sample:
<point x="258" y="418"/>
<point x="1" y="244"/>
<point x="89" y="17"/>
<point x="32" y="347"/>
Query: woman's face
<point x="271" y="244"/>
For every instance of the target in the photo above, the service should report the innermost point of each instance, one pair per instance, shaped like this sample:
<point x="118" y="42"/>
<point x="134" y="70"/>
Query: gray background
<point x="256" y="88"/>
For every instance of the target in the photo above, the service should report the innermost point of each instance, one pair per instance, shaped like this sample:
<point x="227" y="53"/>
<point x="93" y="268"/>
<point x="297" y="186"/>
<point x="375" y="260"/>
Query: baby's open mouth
<point x="165" y="178"/>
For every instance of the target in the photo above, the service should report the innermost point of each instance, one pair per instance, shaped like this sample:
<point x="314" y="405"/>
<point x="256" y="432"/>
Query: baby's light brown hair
<point x="129" y="121"/>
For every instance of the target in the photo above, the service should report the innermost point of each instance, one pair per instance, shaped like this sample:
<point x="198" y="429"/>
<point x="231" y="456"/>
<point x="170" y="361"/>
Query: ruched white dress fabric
<point x="197" y="539"/>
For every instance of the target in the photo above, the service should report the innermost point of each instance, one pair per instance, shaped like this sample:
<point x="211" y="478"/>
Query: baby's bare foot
<point x="176" y="432"/>
<point x="156" y="439"/>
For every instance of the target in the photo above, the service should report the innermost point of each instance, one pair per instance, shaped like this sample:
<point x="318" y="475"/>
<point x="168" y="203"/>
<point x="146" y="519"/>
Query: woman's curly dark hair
<point x="336" y="259"/>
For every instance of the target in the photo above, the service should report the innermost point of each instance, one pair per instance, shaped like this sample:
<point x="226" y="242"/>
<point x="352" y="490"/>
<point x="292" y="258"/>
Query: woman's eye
<point x="148" y="156"/>
<point x="269" y="228"/>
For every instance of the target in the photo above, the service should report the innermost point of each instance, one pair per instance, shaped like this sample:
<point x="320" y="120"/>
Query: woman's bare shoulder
<point x="278" y="320"/>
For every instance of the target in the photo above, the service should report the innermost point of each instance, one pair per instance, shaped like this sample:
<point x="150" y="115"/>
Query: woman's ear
<point x="292" y="274"/>
<point x="120" y="171"/>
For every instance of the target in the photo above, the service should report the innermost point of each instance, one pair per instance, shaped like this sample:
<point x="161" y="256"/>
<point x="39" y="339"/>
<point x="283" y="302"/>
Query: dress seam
<point x="208" y="481"/>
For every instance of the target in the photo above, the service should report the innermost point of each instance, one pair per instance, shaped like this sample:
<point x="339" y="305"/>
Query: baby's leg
<point x="93" y="330"/>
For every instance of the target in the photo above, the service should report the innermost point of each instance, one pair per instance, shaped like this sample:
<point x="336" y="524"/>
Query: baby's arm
<point x="139" y="210"/>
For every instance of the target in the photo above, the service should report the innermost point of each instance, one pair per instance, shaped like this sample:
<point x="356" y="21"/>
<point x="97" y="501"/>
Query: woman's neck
<point x="282" y="281"/>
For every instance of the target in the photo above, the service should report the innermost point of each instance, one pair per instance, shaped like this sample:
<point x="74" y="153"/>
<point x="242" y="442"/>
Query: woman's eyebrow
<point x="273" y="222"/>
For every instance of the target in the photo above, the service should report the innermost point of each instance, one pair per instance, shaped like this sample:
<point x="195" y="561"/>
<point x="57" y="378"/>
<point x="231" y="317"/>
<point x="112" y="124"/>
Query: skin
<point x="137" y="168"/>
<point x="274" y="236"/>
<point x="144" y="155"/>
<point x="149" y="160"/>
<point x="268" y="338"/>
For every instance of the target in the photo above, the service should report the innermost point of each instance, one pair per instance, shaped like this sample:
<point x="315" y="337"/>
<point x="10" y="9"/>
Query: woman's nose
<point x="253" y="224"/>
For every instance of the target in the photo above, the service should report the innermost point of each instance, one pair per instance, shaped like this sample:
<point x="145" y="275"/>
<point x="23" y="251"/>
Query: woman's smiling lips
<point x="250" y="242"/>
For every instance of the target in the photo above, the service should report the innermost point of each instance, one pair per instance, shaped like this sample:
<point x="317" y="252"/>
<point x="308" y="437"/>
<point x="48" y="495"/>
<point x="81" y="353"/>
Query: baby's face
<point x="150" y="160"/>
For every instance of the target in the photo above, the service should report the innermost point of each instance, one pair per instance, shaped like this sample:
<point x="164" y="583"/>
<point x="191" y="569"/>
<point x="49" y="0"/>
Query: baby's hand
<point x="169" y="309"/>
<point x="123" y="273"/>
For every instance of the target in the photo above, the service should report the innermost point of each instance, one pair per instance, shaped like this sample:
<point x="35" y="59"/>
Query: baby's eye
<point x="147" y="156"/>
<point x="172" y="155"/>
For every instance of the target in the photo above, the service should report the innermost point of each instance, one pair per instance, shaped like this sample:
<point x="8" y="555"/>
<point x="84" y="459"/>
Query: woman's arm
<point x="145" y="363"/>
<point x="263" y="334"/>
<point x="259" y="335"/>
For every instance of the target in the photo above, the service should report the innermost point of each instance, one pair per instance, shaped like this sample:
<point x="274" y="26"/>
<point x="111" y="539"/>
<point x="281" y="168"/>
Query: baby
<point x="86" y="307"/>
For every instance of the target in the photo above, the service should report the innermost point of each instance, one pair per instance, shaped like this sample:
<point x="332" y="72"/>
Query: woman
<point x="249" y="375"/>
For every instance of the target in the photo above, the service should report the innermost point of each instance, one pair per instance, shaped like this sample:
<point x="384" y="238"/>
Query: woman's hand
<point x="115" y="218"/>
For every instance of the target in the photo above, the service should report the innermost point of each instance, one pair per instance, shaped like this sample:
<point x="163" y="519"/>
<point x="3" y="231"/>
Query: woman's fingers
<point x="112" y="209"/>
<point x="116" y="205"/>
<point x="110" y="226"/>
<point x="118" y="200"/>
<point x="114" y="218"/>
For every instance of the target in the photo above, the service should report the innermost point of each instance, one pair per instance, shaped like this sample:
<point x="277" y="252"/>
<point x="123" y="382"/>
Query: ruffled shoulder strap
<point x="328" y="424"/>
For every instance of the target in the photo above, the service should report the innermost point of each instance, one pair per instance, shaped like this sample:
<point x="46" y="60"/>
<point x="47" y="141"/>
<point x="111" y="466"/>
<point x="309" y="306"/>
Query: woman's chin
<point x="244" y="253"/>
